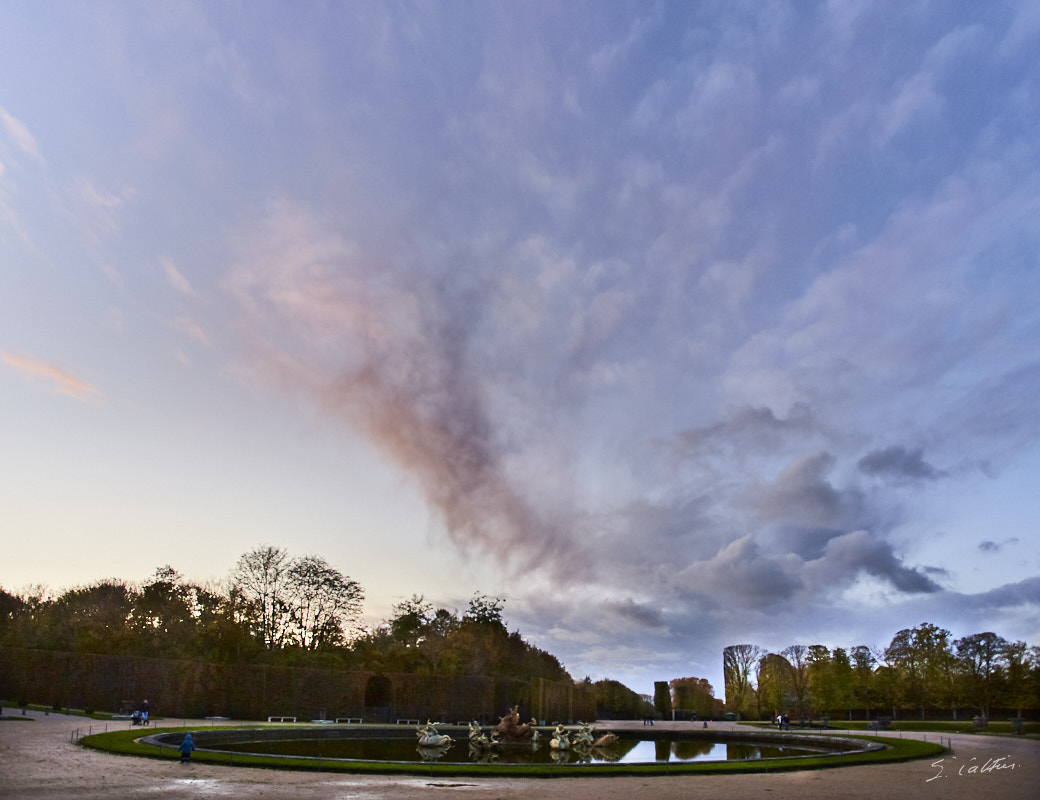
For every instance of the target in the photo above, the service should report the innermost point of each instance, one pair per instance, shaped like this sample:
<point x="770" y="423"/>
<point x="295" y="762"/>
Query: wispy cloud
<point x="58" y="380"/>
<point x="18" y="133"/>
<point x="97" y="211"/>
<point x="175" y="278"/>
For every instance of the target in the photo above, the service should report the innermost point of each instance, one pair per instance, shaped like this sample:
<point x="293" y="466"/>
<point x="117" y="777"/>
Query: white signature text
<point x="970" y="767"/>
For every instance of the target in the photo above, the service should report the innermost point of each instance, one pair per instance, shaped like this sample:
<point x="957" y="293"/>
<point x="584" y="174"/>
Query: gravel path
<point x="40" y="761"/>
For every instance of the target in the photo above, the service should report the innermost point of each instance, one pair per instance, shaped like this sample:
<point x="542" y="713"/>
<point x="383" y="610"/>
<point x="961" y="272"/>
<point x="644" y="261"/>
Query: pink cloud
<point x="60" y="381"/>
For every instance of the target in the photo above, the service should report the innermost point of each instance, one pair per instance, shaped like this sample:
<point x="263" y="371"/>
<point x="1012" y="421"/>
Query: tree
<point x="823" y="688"/>
<point x="91" y="619"/>
<point x="260" y="577"/>
<point x="410" y="619"/>
<point x="738" y="661"/>
<point x="323" y="603"/>
<point x="923" y="662"/>
<point x="693" y="694"/>
<point x="10" y="607"/>
<point x="1020" y="660"/>
<point x="797" y="656"/>
<point x="663" y="699"/>
<point x="982" y="657"/>
<point x="163" y="618"/>
<point x="864" y="694"/>
<point x="485" y="610"/>
<point x="773" y="685"/>
<point x="844" y="681"/>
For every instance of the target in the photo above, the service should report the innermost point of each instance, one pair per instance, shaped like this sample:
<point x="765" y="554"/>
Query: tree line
<point x="922" y="672"/>
<point x="272" y="608"/>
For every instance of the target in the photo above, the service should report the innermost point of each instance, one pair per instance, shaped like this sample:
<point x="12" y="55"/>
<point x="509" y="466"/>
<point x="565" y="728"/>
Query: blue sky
<point x="677" y="325"/>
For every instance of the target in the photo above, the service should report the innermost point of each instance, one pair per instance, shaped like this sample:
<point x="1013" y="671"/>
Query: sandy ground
<point x="40" y="760"/>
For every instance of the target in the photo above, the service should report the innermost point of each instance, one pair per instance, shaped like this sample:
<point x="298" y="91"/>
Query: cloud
<point x="192" y="329"/>
<point x="989" y="546"/>
<point x="800" y="495"/>
<point x="97" y="211"/>
<point x="404" y="374"/>
<point x="1011" y="595"/>
<point x="680" y="368"/>
<point x="741" y="574"/>
<point x="175" y="278"/>
<point x="898" y="463"/>
<point x="59" y="381"/>
<point x="860" y="551"/>
<point x="18" y="132"/>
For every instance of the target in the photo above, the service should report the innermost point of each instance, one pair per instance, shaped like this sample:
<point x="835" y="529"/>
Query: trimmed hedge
<point x="252" y="691"/>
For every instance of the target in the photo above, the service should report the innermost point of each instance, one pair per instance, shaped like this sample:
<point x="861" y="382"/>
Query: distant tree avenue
<point x="922" y="673"/>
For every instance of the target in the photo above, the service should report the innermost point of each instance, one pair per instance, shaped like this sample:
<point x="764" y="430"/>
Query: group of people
<point x="783" y="722"/>
<point x="187" y="745"/>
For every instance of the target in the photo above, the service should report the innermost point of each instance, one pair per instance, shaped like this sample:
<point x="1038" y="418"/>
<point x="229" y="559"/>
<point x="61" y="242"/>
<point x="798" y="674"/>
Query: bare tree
<point x="302" y="601"/>
<point x="261" y="576"/>
<point x="323" y="602"/>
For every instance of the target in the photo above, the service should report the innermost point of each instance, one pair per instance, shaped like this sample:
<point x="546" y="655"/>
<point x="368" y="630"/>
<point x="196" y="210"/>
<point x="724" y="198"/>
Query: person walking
<point x="187" y="745"/>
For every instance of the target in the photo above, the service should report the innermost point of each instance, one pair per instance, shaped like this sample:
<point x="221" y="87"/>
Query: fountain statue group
<point x="511" y="733"/>
<point x="584" y="739"/>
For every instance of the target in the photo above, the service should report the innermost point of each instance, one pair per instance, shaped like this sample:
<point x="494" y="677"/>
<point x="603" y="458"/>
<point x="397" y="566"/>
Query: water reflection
<point x="624" y="750"/>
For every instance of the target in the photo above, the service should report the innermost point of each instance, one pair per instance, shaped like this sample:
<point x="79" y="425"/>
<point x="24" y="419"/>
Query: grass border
<point x="896" y="749"/>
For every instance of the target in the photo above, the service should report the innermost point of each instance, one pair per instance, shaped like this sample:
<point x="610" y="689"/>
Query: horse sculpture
<point x="479" y="739"/>
<point x="428" y="736"/>
<point x="510" y="729"/>
<point x="560" y="740"/>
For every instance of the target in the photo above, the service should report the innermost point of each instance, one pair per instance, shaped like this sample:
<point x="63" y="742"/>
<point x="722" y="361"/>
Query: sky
<point x="676" y="325"/>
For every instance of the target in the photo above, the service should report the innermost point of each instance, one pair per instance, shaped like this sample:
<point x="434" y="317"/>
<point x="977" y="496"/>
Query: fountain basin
<point x="377" y="744"/>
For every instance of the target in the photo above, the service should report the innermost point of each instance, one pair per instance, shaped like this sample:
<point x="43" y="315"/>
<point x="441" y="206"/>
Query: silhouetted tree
<point x="260" y="577"/>
<point x="323" y="603"/>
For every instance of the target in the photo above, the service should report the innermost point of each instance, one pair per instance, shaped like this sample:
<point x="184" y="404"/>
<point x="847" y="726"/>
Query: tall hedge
<point x="249" y="691"/>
